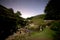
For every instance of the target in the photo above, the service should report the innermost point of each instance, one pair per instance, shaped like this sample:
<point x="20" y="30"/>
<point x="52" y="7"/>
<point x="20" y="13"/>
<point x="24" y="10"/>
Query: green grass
<point x="46" y="33"/>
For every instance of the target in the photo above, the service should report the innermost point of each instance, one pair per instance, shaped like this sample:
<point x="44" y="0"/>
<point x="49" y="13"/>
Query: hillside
<point x="39" y="19"/>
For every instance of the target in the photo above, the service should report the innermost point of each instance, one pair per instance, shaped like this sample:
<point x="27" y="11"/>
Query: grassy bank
<point x="46" y="33"/>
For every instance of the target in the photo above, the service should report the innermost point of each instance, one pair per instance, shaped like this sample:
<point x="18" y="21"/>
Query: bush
<point x="55" y="26"/>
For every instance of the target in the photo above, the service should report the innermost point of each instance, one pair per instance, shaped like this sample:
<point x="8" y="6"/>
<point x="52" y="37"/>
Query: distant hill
<point x="38" y="19"/>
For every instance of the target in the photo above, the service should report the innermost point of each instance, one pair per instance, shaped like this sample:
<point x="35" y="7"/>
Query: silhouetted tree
<point x="52" y="10"/>
<point x="7" y="22"/>
<point x="11" y="10"/>
<point x="20" y="20"/>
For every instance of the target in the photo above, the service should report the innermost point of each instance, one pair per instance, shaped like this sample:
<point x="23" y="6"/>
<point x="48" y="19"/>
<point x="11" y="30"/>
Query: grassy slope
<point x="46" y="33"/>
<point x="38" y="19"/>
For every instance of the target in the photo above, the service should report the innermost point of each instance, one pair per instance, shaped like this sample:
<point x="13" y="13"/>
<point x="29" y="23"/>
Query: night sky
<point x="27" y="8"/>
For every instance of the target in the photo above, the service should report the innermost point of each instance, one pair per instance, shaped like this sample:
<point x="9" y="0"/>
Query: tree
<point x="18" y="13"/>
<point x="52" y="10"/>
<point x="9" y="22"/>
<point x="11" y="10"/>
<point x="20" y="20"/>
